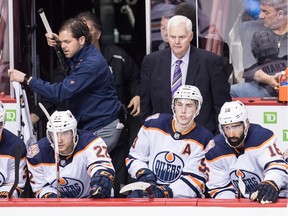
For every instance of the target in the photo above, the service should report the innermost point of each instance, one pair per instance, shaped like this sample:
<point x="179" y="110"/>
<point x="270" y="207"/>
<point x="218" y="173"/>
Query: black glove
<point x="265" y="192"/>
<point x="163" y="191"/>
<point x="138" y="194"/>
<point x="49" y="195"/>
<point x="154" y="191"/>
<point x="146" y="175"/>
<point x="101" y="184"/>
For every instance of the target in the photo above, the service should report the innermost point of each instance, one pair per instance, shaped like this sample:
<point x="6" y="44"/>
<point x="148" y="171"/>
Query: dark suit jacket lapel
<point x="193" y="67"/>
<point x="165" y="73"/>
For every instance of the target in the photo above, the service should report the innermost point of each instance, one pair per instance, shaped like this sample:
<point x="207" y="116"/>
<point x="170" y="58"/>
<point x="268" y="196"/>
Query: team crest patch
<point x="33" y="150"/>
<point x="209" y="146"/>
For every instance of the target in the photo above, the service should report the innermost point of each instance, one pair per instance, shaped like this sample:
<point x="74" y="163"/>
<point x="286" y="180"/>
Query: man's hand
<point x="16" y="75"/>
<point x="54" y="41"/>
<point x="34" y="118"/>
<point x="135" y="103"/>
<point x="261" y="77"/>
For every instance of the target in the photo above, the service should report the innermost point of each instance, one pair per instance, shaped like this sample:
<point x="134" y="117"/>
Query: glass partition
<point x="217" y="26"/>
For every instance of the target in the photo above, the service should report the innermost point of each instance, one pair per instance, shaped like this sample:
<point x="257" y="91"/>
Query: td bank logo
<point x="10" y="115"/>
<point x="270" y="117"/>
<point x="285" y="135"/>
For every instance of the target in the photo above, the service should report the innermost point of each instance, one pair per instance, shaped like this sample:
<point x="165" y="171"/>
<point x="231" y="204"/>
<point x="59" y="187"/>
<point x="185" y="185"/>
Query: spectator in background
<point x="200" y="68"/>
<point x="168" y="151"/>
<point x="261" y="79"/>
<point x="247" y="151"/>
<point x="250" y="11"/>
<point x="184" y="8"/>
<point x="206" y="34"/>
<point x="159" y="9"/>
<point x="273" y="15"/>
<point x="163" y="29"/>
<point x="85" y="166"/>
<point x="9" y="146"/>
<point x="203" y="24"/>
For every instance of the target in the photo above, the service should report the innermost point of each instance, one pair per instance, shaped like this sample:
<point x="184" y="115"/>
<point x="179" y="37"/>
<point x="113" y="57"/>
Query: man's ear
<point x="248" y="123"/>
<point x="280" y="14"/>
<point x="98" y="34"/>
<point x="192" y="35"/>
<point x="82" y="40"/>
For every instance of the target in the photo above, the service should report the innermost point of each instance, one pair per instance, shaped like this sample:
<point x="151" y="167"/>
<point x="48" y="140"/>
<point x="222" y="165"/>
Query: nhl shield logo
<point x="176" y="135"/>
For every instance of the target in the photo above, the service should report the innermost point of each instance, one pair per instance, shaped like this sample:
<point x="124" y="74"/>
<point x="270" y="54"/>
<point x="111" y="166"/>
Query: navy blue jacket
<point x="89" y="90"/>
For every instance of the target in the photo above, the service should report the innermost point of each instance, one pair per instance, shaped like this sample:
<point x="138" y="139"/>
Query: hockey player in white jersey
<point x="84" y="163"/>
<point x="168" y="151"/>
<point x="9" y="145"/>
<point x="245" y="154"/>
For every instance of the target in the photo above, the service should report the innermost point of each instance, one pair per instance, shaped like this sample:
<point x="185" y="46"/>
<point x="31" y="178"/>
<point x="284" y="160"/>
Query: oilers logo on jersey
<point x="167" y="166"/>
<point x="70" y="187"/>
<point x="250" y="180"/>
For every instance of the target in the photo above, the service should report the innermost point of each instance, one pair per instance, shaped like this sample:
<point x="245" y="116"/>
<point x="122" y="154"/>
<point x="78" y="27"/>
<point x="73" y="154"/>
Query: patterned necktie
<point x="177" y="77"/>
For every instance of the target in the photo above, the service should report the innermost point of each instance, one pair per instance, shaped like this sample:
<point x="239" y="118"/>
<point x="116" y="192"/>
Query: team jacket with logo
<point x="90" y="155"/>
<point x="176" y="159"/>
<point x="8" y="144"/>
<point x="260" y="160"/>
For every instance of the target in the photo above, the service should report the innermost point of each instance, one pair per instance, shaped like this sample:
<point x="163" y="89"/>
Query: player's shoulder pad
<point x="155" y="116"/>
<point x="263" y="134"/>
<point x="210" y="145"/>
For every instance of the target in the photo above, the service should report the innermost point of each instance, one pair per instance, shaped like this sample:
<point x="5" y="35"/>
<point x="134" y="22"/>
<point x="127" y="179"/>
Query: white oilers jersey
<point x="8" y="143"/>
<point x="260" y="160"/>
<point x="76" y="170"/>
<point x="176" y="159"/>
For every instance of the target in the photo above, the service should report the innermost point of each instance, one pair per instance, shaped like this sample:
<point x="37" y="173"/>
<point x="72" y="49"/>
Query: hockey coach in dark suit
<point x="162" y="71"/>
